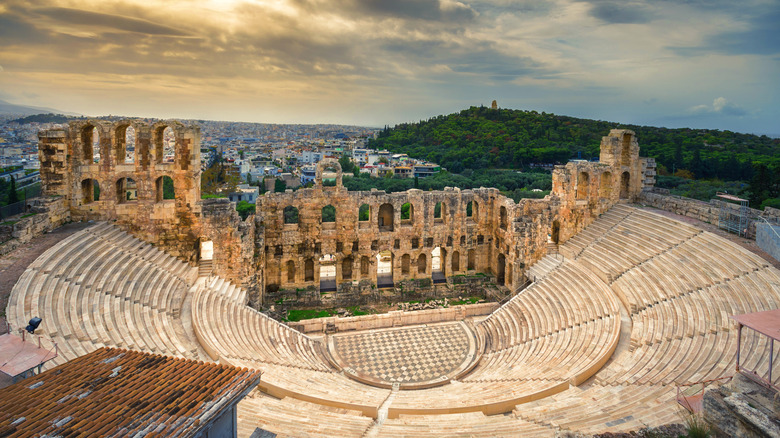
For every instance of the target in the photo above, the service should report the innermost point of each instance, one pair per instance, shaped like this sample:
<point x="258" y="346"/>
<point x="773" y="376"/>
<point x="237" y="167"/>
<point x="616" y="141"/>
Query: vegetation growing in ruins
<point x="244" y="209"/>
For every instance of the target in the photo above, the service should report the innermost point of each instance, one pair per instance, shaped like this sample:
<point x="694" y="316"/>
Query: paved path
<point x="13" y="264"/>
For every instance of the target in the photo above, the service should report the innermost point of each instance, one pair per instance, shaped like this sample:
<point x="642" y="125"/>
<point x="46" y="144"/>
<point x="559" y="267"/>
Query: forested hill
<point x="481" y="137"/>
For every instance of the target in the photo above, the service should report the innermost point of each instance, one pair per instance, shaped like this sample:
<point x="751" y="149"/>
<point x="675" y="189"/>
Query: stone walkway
<point x="13" y="264"/>
<point x="424" y="354"/>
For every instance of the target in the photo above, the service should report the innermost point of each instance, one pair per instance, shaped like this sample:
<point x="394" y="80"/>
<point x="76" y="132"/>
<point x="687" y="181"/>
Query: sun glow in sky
<point x="697" y="63"/>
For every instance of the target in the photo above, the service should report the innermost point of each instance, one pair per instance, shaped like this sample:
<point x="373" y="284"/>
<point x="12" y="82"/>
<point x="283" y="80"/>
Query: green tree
<point x="244" y="209"/>
<point x="346" y="164"/>
<point x="280" y="186"/>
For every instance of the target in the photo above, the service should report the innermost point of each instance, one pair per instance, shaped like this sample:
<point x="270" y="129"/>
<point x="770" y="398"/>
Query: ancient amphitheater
<point x="622" y="304"/>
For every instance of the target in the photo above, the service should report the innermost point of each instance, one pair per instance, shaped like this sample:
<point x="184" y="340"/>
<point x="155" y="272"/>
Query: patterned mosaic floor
<point x="409" y="356"/>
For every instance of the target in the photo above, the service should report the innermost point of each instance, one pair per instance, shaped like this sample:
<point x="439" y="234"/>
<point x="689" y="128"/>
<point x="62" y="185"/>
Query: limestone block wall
<point x="44" y="214"/>
<point x="768" y="239"/>
<point x="128" y="191"/>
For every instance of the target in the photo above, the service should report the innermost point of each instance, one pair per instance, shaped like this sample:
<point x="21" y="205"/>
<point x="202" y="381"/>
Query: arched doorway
<point x="455" y="262"/>
<point x="438" y="260"/>
<point x="555" y="233"/>
<point x="384" y="269"/>
<point x="385" y="217"/>
<point x="625" y="185"/>
<point x="328" y="273"/>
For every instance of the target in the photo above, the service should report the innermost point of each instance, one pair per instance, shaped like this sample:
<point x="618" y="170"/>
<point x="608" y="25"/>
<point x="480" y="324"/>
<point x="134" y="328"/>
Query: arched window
<point x="290" y="271"/>
<point x="422" y="264"/>
<point x="90" y="191"/>
<point x="405" y="262"/>
<point x="126" y="190"/>
<point x="605" y="185"/>
<point x="164" y="145"/>
<point x="625" y="150"/>
<point x="455" y="262"/>
<point x="364" y="213"/>
<point x="164" y="186"/>
<point x="385" y="217"/>
<point x="364" y="266"/>
<point x="290" y="215"/>
<point x="308" y="270"/>
<point x="470" y="209"/>
<point x="583" y="185"/>
<point x="346" y="268"/>
<point x="124" y="147"/>
<point x="502" y="218"/>
<point x="407" y="213"/>
<point x="90" y="145"/>
<point x="328" y="214"/>
<point x="475" y="211"/>
<point x="439" y="212"/>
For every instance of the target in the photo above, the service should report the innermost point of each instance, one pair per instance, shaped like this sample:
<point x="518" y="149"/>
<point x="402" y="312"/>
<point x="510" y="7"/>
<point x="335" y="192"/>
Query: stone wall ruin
<point x="325" y="238"/>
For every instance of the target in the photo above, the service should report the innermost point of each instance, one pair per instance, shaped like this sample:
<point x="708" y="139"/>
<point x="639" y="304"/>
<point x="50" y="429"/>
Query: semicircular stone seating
<point x="104" y="287"/>
<point x="640" y="304"/>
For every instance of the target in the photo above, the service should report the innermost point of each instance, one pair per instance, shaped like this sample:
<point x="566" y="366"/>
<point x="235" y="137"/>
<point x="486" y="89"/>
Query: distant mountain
<point x="23" y="110"/>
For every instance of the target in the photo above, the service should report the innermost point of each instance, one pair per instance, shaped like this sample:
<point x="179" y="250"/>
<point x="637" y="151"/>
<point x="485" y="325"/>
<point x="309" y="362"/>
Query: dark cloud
<point x="621" y="12"/>
<point x="88" y="18"/>
<point x="429" y="10"/>
<point x="762" y="37"/>
<point x="15" y="29"/>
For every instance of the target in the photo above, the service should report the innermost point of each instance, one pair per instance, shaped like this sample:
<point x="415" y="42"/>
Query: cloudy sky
<point x="698" y="63"/>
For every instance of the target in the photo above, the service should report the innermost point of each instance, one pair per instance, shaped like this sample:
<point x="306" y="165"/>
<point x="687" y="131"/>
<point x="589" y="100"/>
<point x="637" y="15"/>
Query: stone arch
<point x="625" y="185"/>
<point x="405" y="263"/>
<point x="290" y="215"/>
<point x="438" y="264"/>
<point x="625" y="149"/>
<point x="407" y="213"/>
<point x="364" y="213"/>
<point x="290" y="271"/>
<point x="555" y="233"/>
<point x="328" y="214"/>
<point x="475" y="211"/>
<point x="455" y="262"/>
<point x="327" y="264"/>
<point x="90" y="144"/>
<point x="90" y="190"/>
<point x="346" y="268"/>
<point x="125" y="142"/>
<point x="327" y="164"/>
<point x="583" y="185"/>
<point x="470" y="209"/>
<point x="503" y="222"/>
<point x="384" y="269"/>
<point x="422" y="264"/>
<point x="385" y="217"/>
<point x="163" y="143"/>
<point x="605" y="185"/>
<point x="501" y="270"/>
<point x="126" y="190"/>
<point x="164" y="188"/>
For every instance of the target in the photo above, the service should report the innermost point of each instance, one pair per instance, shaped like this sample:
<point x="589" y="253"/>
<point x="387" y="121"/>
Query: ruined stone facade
<point x="325" y="238"/>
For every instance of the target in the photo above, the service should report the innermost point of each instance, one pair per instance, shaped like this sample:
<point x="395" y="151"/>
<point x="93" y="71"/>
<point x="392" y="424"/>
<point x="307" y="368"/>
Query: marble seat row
<point x="233" y="330"/>
<point x="292" y="417"/>
<point x="569" y="296"/>
<point x="473" y="424"/>
<point x="96" y="289"/>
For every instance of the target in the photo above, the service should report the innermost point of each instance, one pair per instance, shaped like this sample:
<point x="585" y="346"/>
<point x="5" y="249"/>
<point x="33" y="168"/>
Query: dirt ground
<point x="13" y="264"/>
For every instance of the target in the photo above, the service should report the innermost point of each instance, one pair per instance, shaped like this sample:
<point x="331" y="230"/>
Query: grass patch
<point x="298" y="315"/>
<point x="208" y="196"/>
<point x="355" y="311"/>
<point x="469" y="300"/>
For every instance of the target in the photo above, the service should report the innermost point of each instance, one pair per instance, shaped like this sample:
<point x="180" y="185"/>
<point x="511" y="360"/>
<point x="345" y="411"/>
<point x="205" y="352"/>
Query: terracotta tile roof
<point x="112" y="392"/>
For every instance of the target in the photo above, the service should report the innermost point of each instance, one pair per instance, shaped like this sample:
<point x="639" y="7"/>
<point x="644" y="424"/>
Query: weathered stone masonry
<point x="290" y="241"/>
